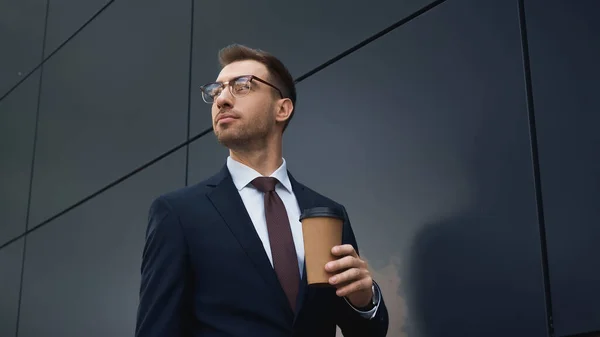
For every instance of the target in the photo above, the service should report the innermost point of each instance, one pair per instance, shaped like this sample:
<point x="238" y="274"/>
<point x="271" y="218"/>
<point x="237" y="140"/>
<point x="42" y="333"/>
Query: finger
<point x="343" y="263"/>
<point x="354" y="287"/>
<point x="343" y="250"/>
<point x="347" y="277"/>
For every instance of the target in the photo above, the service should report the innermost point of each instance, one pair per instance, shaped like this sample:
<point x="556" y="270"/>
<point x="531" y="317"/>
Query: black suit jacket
<point x="205" y="273"/>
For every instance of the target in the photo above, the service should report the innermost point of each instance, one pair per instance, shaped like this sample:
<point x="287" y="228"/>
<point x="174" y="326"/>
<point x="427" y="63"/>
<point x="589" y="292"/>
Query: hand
<point x="352" y="277"/>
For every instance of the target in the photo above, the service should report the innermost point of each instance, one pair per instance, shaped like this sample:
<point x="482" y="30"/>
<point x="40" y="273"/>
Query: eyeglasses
<point x="238" y="86"/>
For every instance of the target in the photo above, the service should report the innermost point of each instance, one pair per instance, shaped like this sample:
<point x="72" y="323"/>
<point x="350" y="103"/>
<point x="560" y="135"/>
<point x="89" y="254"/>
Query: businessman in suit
<point x="225" y="257"/>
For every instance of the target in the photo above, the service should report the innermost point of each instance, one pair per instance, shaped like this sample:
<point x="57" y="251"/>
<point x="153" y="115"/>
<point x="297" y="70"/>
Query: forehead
<point x="246" y="67"/>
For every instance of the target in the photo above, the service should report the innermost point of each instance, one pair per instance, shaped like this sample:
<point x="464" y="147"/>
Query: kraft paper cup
<point x="322" y="230"/>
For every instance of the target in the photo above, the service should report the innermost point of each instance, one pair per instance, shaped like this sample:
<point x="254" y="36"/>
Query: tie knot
<point x="265" y="184"/>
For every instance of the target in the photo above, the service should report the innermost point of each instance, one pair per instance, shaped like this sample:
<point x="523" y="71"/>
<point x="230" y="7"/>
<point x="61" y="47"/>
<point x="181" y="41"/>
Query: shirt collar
<point x="242" y="175"/>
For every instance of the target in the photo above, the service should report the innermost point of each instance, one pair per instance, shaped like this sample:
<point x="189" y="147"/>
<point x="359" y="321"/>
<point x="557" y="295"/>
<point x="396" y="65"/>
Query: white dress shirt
<point x="253" y="200"/>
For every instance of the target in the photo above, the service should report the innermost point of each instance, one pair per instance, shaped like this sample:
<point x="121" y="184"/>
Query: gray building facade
<point x="461" y="135"/>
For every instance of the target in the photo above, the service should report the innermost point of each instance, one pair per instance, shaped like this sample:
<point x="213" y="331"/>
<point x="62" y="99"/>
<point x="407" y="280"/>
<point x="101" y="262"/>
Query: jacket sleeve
<point x="164" y="309"/>
<point x="347" y="318"/>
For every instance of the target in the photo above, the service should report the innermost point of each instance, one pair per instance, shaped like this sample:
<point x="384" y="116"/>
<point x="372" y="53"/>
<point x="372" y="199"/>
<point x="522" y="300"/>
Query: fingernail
<point x="332" y="280"/>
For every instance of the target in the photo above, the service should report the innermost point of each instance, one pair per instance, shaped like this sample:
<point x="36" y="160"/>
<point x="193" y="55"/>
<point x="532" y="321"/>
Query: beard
<point x="243" y="134"/>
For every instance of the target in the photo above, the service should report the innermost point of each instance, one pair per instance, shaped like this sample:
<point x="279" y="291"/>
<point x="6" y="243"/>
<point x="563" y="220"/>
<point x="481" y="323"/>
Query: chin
<point x="237" y="141"/>
<point x="228" y="138"/>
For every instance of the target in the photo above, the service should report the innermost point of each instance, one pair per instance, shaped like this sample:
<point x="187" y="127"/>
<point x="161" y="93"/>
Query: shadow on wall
<point x="478" y="273"/>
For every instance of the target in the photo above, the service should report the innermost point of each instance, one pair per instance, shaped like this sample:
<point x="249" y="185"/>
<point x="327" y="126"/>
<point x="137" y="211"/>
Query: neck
<point x="264" y="159"/>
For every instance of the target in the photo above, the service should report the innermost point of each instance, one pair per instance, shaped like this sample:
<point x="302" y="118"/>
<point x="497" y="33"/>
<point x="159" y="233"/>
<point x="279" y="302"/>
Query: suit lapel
<point x="305" y="200"/>
<point x="230" y="206"/>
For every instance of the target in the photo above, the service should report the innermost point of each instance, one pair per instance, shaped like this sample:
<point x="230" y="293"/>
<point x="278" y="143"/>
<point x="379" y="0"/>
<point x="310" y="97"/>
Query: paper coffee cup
<point x="322" y="230"/>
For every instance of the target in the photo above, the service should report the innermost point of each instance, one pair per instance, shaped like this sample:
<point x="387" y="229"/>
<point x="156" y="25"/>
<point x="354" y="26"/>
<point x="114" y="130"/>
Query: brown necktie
<point x="285" y="260"/>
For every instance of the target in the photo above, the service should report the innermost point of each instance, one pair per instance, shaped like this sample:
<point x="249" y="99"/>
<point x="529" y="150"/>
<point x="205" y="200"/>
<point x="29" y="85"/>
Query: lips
<point x="225" y="118"/>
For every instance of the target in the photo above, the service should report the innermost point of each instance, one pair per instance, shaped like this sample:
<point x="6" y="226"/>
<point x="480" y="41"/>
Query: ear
<point x="285" y="110"/>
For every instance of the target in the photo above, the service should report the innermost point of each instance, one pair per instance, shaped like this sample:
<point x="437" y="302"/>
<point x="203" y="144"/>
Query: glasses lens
<point x="240" y="86"/>
<point x="210" y="91"/>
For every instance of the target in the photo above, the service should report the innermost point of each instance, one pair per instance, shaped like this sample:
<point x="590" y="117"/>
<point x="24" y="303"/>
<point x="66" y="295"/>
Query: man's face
<point x="241" y="121"/>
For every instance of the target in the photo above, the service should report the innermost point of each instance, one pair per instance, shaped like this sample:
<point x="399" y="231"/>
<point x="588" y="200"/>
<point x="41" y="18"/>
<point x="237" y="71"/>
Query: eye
<point x="213" y="89"/>
<point x="241" y="85"/>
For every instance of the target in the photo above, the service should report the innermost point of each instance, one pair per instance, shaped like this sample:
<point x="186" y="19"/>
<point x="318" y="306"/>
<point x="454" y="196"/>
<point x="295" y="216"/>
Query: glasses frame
<point x="222" y="85"/>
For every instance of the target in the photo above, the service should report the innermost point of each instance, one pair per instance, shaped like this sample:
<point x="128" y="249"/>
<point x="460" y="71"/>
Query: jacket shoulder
<point x="188" y="195"/>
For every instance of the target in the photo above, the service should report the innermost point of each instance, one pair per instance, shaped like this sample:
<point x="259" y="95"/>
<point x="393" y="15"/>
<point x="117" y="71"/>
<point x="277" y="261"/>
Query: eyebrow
<point x="229" y="79"/>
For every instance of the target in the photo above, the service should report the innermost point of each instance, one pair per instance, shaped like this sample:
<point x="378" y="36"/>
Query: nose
<point x="224" y="99"/>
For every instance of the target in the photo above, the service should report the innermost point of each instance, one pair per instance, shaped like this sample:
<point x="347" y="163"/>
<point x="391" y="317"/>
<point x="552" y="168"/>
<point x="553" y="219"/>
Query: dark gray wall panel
<point x="22" y="35"/>
<point x="11" y="258"/>
<point x="82" y="270"/>
<point x="207" y="157"/>
<point x="565" y="51"/>
<point x="17" y="129"/>
<point x="113" y="98"/>
<point x="423" y="135"/>
<point x="65" y="17"/>
<point x="303" y="34"/>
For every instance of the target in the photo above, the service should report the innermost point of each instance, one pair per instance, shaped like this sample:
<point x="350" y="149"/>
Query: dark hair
<point x="280" y="75"/>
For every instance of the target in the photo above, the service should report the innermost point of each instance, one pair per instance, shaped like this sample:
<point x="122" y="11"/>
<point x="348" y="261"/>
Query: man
<point x="225" y="257"/>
